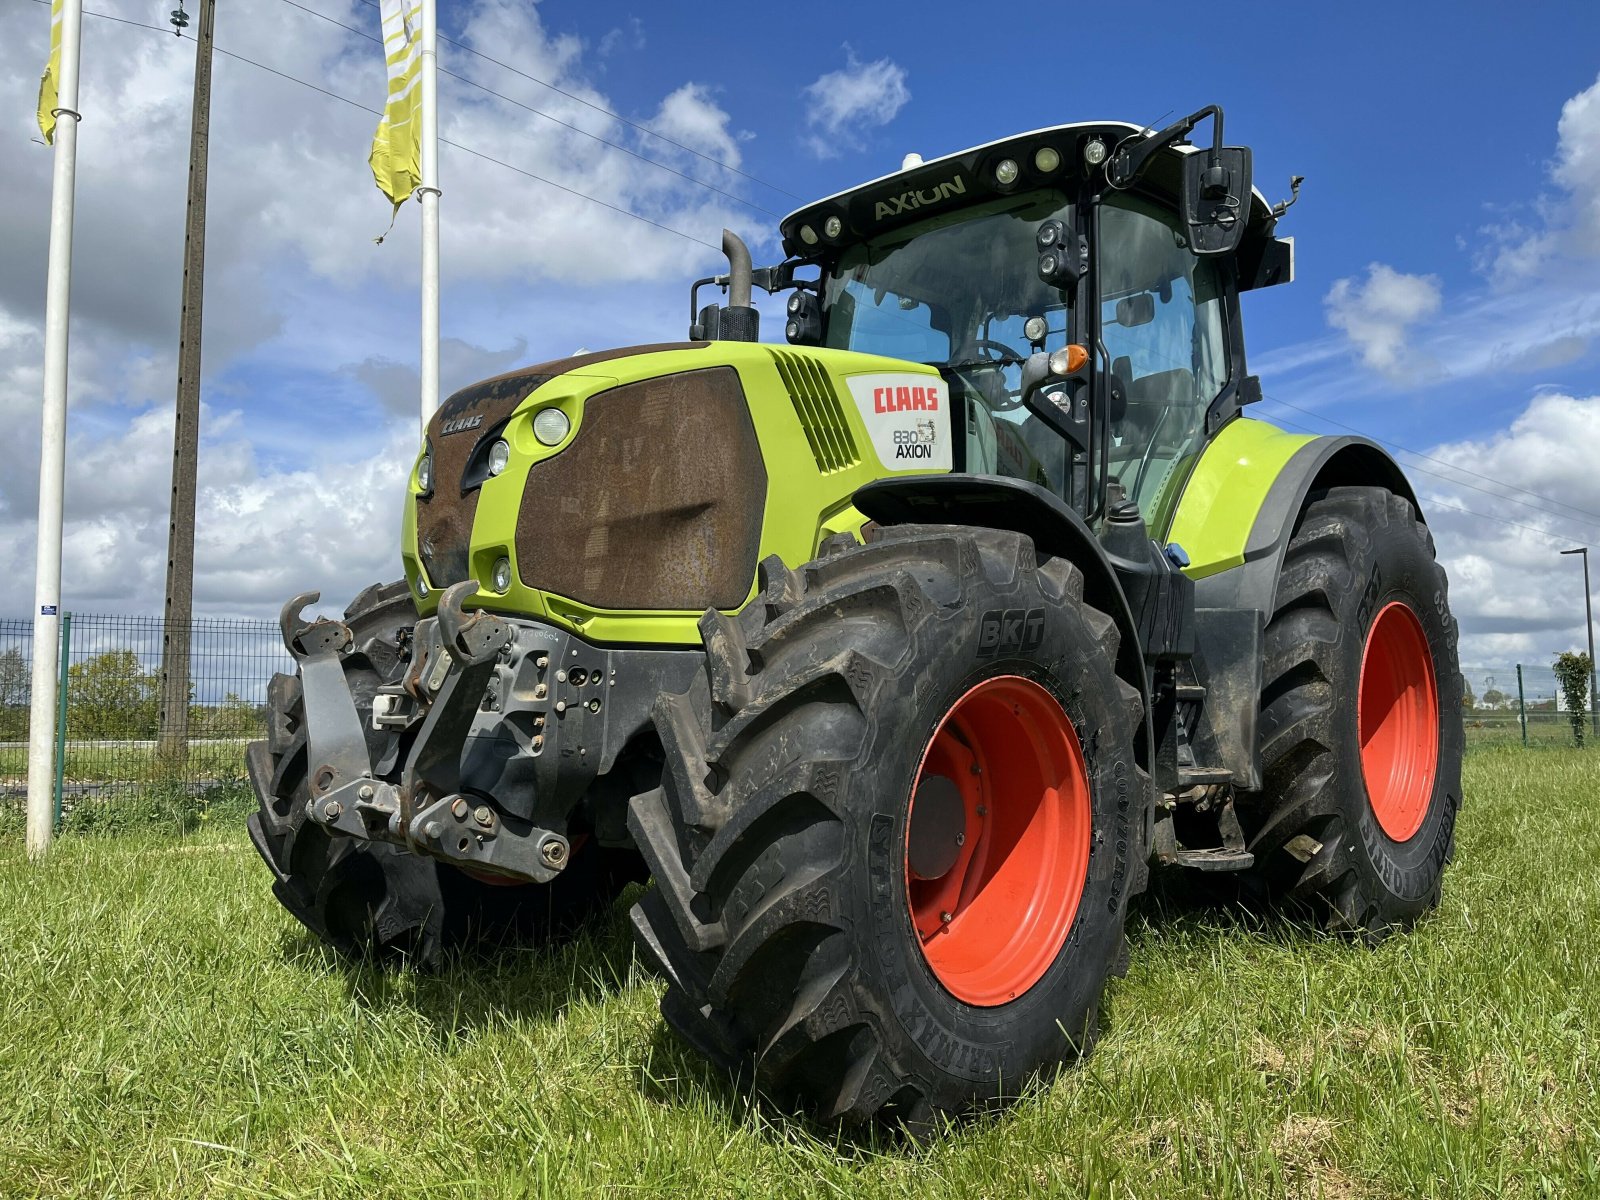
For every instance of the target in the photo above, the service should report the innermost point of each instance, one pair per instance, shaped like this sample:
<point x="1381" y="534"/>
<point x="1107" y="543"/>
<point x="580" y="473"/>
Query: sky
<point x="1447" y="298"/>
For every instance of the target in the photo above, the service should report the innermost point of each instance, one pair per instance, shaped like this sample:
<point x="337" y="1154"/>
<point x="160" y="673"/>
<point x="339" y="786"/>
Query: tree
<point x="15" y="688"/>
<point x="1494" y="698"/>
<point x="1572" y="673"/>
<point x="1468" y="700"/>
<point x="112" y="696"/>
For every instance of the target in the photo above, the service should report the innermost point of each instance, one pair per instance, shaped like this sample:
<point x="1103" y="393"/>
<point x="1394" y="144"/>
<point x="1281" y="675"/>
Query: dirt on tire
<point x="1318" y="841"/>
<point x="780" y="916"/>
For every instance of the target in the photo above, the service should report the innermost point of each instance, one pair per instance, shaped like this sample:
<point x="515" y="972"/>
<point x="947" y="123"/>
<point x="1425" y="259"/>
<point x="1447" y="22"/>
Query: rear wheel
<point x="899" y="826"/>
<point x="1361" y="734"/>
<point x="371" y="897"/>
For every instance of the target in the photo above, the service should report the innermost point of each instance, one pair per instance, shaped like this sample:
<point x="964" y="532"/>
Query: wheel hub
<point x="1398" y="722"/>
<point x="997" y="840"/>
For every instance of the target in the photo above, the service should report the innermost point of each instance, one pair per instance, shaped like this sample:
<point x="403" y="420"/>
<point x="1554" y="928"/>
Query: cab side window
<point x="1162" y="323"/>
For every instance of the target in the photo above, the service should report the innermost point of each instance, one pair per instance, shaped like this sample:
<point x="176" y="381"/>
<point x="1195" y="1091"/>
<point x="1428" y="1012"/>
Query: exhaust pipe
<point x="740" y="321"/>
<point x="739" y="269"/>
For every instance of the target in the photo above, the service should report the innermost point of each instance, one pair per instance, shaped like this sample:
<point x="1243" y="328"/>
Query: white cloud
<point x="300" y="304"/>
<point x="1517" y="599"/>
<point x="1377" y="314"/>
<point x="1565" y="225"/>
<point x="847" y="103"/>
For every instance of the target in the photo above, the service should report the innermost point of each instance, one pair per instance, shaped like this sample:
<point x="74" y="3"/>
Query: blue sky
<point x="1448" y="243"/>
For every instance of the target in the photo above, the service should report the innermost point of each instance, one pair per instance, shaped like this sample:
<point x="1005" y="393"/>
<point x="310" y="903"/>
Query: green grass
<point x="170" y="1030"/>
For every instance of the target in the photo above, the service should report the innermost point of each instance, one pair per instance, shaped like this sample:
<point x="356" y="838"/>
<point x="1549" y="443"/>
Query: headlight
<point x="425" y="474"/>
<point x="833" y="227"/>
<point x="551" y="425"/>
<point x="422" y="584"/>
<point x="1046" y="159"/>
<point x="501" y="578"/>
<point x="808" y="235"/>
<point x="1005" y="173"/>
<point x="499" y="456"/>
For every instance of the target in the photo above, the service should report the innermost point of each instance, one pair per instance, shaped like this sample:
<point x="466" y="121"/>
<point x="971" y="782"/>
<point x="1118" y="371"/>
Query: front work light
<point x="1005" y="172"/>
<point x="1046" y="159"/>
<point x="500" y="455"/>
<point x="833" y="227"/>
<point x="550" y="426"/>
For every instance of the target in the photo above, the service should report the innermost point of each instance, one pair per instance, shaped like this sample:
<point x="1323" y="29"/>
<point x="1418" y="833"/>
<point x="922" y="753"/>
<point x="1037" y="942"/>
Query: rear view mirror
<point x="1133" y="311"/>
<point x="1216" y="198"/>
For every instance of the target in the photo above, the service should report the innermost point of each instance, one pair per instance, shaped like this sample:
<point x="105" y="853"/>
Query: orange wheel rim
<point x="1398" y="703"/>
<point x="997" y="840"/>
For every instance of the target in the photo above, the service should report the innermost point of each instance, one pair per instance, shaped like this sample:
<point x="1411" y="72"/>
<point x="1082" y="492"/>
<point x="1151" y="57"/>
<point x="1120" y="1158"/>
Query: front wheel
<point x="899" y="827"/>
<point x="1361" y="732"/>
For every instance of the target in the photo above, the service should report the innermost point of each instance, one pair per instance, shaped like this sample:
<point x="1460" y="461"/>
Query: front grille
<point x="816" y="403"/>
<point x="474" y="415"/>
<point x="656" y="503"/>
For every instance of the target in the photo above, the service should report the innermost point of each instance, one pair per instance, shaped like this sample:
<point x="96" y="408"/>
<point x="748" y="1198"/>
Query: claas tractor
<point x="892" y="656"/>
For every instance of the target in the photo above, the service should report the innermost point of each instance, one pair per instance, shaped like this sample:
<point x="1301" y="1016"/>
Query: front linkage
<point x="453" y="667"/>
<point x="504" y="737"/>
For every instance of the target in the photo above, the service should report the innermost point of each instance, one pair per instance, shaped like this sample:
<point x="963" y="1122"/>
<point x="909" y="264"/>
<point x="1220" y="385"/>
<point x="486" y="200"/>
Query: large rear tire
<point x="899" y="826"/>
<point x="372" y="898"/>
<point x="1360" y="727"/>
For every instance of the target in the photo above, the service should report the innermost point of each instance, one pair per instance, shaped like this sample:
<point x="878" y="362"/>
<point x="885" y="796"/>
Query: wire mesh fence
<point x="1519" y="702"/>
<point x="110" y="769"/>
<point x="112" y="774"/>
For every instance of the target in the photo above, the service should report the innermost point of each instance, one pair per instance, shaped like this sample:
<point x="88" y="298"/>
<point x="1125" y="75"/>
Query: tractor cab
<point x="1076" y="286"/>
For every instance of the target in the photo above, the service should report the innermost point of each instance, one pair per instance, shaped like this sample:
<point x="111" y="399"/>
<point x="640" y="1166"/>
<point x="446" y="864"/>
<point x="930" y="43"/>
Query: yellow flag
<point x="48" y="94"/>
<point x="397" y="146"/>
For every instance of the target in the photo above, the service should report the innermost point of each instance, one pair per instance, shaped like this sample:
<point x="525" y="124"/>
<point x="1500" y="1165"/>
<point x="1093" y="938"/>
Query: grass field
<point x="170" y="1030"/>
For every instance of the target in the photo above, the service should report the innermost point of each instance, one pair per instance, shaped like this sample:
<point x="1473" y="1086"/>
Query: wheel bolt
<point x="945" y="918"/>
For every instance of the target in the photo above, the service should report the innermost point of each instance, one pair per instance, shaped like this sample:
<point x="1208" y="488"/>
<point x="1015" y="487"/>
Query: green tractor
<point x="895" y="654"/>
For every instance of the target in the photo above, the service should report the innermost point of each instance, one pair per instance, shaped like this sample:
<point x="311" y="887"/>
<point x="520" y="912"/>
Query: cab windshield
<point x="955" y="292"/>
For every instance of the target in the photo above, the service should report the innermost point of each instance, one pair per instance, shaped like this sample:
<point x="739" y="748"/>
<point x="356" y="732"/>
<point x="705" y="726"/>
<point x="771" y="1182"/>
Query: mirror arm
<point x="1127" y="163"/>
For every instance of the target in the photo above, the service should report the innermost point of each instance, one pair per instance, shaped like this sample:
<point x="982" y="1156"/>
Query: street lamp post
<point x="1588" y="623"/>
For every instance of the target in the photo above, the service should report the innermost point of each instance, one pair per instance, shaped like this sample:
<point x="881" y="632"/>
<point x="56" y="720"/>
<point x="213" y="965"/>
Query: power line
<point x="1449" y="479"/>
<point x="615" y="116"/>
<point x="1543" y="533"/>
<point x="547" y="116"/>
<point x="445" y="141"/>
<point x="1441" y="462"/>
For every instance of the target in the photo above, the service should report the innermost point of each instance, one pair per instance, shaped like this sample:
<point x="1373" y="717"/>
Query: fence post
<point x="1522" y="705"/>
<point x="61" y="714"/>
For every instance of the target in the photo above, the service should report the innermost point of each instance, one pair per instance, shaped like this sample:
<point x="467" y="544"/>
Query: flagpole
<point x="53" y="446"/>
<point x="428" y="192"/>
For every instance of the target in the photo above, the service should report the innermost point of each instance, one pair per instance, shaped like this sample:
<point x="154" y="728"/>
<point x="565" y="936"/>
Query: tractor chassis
<point x="487" y="744"/>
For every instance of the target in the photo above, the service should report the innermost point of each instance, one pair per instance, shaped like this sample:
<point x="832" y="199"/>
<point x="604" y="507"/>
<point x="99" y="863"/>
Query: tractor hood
<point x="650" y="480"/>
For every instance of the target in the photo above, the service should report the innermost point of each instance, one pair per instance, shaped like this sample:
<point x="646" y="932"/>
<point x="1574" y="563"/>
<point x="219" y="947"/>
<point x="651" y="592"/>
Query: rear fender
<point x="1245" y="538"/>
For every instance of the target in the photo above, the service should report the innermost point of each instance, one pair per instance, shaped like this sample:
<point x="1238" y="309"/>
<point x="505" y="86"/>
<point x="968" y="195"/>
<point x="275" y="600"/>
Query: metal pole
<point x="1522" y="706"/>
<point x="172" y="741"/>
<point x="61" y="714"/>
<point x="53" y="441"/>
<point x="1588" y="624"/>
<point x="428" y="193"/>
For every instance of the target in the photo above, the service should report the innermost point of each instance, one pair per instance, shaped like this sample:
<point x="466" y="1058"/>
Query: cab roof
<point x="968" y="177"/>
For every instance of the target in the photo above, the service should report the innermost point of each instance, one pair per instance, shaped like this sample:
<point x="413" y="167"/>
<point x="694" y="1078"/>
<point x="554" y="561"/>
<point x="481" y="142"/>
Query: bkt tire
<point x="899" y="825"/>
<point x="371" y="898"/>
<point x="1360" y="726"/>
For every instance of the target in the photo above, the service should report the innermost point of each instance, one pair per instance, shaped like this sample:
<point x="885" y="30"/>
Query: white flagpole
<point x="53" y="446"/>
<point x="428" y="192"/>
